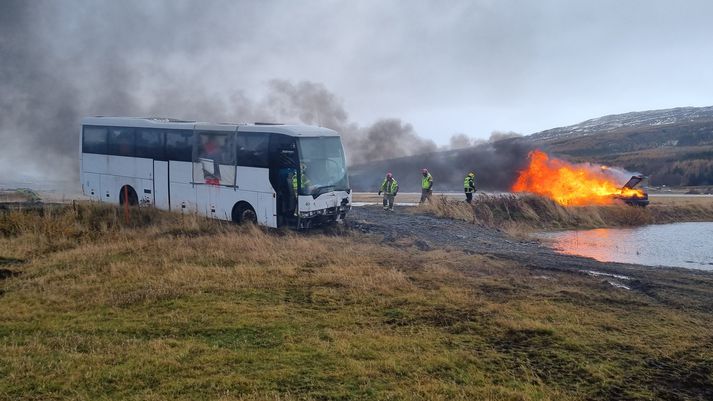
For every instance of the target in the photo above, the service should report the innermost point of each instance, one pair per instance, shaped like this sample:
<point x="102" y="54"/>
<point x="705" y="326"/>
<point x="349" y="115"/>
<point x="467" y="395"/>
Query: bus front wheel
<point x="244" y="213"/>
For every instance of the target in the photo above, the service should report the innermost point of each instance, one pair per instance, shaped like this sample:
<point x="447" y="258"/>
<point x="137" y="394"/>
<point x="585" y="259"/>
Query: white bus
<point x="274" y="175"/>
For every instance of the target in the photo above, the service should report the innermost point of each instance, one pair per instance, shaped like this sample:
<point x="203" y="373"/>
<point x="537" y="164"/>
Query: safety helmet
<point x="472" y="174"/>
<point x="389" y="175"/>
<point x="424" y="170"/>
<point x="303" y="166"/>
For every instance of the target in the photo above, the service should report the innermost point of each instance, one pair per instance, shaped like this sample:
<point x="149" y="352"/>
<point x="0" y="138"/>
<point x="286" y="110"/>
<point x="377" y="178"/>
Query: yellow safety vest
<point x="469" y="183"/>
<point x="390" y="189"/>
<point x="427" y="181"/>
<point x="305" y="182"/>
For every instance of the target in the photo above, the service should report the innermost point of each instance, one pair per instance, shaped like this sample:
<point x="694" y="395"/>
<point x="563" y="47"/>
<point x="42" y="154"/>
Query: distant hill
<point x="672" y="146"/>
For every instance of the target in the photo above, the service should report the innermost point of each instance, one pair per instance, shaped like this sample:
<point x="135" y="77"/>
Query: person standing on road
<point x="390" y="188"/>
<point x="469" y="186"/>
<point x="426" y="186"/>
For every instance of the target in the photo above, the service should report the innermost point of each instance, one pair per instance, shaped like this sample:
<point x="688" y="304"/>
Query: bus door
<point x="161" y="185"/>
<point x="150" y="145"/>
<point x="179" y="150"/>
<point x="283" y="161"/>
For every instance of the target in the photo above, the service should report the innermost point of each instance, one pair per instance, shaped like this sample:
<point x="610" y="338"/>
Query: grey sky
<point x="444" y="67"/>
<point x="525" y="66"/>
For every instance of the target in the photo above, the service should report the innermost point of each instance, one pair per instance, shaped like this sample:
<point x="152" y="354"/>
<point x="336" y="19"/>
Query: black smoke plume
<point x="496" y="166"/>
<point x="61" y="61"/>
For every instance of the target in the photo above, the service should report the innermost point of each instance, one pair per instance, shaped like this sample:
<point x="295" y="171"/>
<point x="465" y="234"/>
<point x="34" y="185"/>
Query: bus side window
<point x="149" y="144"/>
<point x="251" y="149"/>
<point x="179" y="145"/>
<point x="121" y="141"/>
<point x="215" y="146"/>
<point x="94" y="140"/>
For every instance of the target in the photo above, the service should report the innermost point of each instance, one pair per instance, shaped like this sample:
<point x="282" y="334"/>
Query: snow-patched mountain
<point x="633" y="120"/>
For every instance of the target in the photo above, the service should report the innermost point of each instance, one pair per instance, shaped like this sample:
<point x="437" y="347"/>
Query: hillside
<point x="673" y="147"/>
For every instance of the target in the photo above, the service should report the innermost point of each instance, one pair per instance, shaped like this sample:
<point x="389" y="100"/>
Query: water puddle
<point x="688" y="245"/>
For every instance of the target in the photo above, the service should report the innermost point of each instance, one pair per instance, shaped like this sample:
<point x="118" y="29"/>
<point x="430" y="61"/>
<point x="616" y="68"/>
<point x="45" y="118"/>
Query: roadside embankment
<point x="171" y="306"/>
<point x="528" y="212"/>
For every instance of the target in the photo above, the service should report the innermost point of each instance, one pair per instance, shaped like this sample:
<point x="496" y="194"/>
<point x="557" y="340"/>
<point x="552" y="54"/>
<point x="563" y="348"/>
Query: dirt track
<point x="434" y="232"/>
<point x="673" y="286"/>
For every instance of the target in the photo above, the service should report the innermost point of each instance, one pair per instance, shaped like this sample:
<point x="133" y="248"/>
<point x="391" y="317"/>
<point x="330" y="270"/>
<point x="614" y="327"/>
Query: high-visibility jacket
<point x="305" y="182"/>
<point x="390" y="188"/>
<point x="469" y="183"/>
<point x="427" y="181"/>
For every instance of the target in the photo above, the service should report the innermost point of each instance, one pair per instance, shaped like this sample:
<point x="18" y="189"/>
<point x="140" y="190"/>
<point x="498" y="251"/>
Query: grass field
<point x="179" y="307"/>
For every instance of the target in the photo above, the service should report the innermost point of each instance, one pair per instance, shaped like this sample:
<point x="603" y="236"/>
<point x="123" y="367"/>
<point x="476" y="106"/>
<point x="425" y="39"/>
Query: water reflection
<point x="682" y="244"/>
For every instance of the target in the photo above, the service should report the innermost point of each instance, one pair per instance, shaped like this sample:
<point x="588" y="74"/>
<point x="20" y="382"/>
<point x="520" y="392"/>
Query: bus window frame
<point x="265" y="162"/>
<point x="157" y="153"/>
<point x="114" y="147"/>
<point x="230" y="146"/>
<point x="180" y="132"/>
<point x="104" y="143"/>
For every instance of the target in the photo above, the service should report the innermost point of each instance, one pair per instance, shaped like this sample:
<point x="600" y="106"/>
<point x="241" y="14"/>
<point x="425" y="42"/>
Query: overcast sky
<point x="478" y="66"/>
<point x="445" y="67"/>
<point x="463" y="66"/>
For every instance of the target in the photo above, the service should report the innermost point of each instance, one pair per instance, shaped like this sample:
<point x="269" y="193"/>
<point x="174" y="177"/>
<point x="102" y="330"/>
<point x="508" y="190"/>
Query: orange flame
<point x="569" y="184"/>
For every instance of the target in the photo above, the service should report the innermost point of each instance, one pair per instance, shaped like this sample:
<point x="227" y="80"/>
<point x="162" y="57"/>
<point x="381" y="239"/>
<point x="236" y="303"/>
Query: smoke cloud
<point x="62" y="61"/>
<point x="496" y="166"/>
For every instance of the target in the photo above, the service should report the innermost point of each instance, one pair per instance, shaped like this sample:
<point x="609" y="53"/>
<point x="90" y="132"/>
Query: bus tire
<point x="133" y="197"/>
<point x="244" y="213"/>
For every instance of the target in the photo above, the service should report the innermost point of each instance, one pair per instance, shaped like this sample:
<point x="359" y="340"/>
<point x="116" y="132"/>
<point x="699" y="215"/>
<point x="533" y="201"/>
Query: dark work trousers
<point x="468" y="197"/>
<point x="389" y="202"/>
<point x="426" y="195"/>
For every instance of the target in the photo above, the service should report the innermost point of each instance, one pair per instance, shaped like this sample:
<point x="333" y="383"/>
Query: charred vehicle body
<point x="632" y="194"/>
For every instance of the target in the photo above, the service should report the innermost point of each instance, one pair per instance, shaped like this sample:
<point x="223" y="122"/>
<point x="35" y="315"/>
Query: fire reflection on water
<point x="681" y="245"/>
<point x="599" y="244"/>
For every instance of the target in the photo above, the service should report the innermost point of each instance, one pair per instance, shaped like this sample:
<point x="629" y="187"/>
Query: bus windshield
<point x="323" y="165"/>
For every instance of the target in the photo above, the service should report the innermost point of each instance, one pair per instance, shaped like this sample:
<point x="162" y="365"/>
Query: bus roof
<point x="169" y="123"/>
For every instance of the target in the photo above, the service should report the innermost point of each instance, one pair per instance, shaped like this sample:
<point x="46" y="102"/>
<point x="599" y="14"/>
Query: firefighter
<point x="295" y="187"/>
<point x="469" y="186"/>
<point x="305" y="181"/>
<point x="390" y="188"/>
<point x="426" y="186"/>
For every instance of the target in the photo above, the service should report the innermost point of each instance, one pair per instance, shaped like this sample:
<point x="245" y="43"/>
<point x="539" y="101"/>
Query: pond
<point x="688" y="245"/>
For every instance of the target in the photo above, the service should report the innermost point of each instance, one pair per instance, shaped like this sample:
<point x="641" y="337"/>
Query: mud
<point x="5" y="273"/>
<point x="671" y="286"/>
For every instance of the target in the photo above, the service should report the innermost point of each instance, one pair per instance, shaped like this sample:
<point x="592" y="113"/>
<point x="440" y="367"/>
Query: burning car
<point x="631" y="195"/>
<point x="582" y="184"/>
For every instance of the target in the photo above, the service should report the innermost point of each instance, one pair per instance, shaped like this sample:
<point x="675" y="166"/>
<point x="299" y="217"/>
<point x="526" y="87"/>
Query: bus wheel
<point x="133" y="198"/>
<point x="244" y="213"/>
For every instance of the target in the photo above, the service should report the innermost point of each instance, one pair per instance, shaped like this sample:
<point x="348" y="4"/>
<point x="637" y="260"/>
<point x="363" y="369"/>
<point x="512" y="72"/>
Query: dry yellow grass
<point x="524" y="213"/>
<point x="180" y="307"/>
